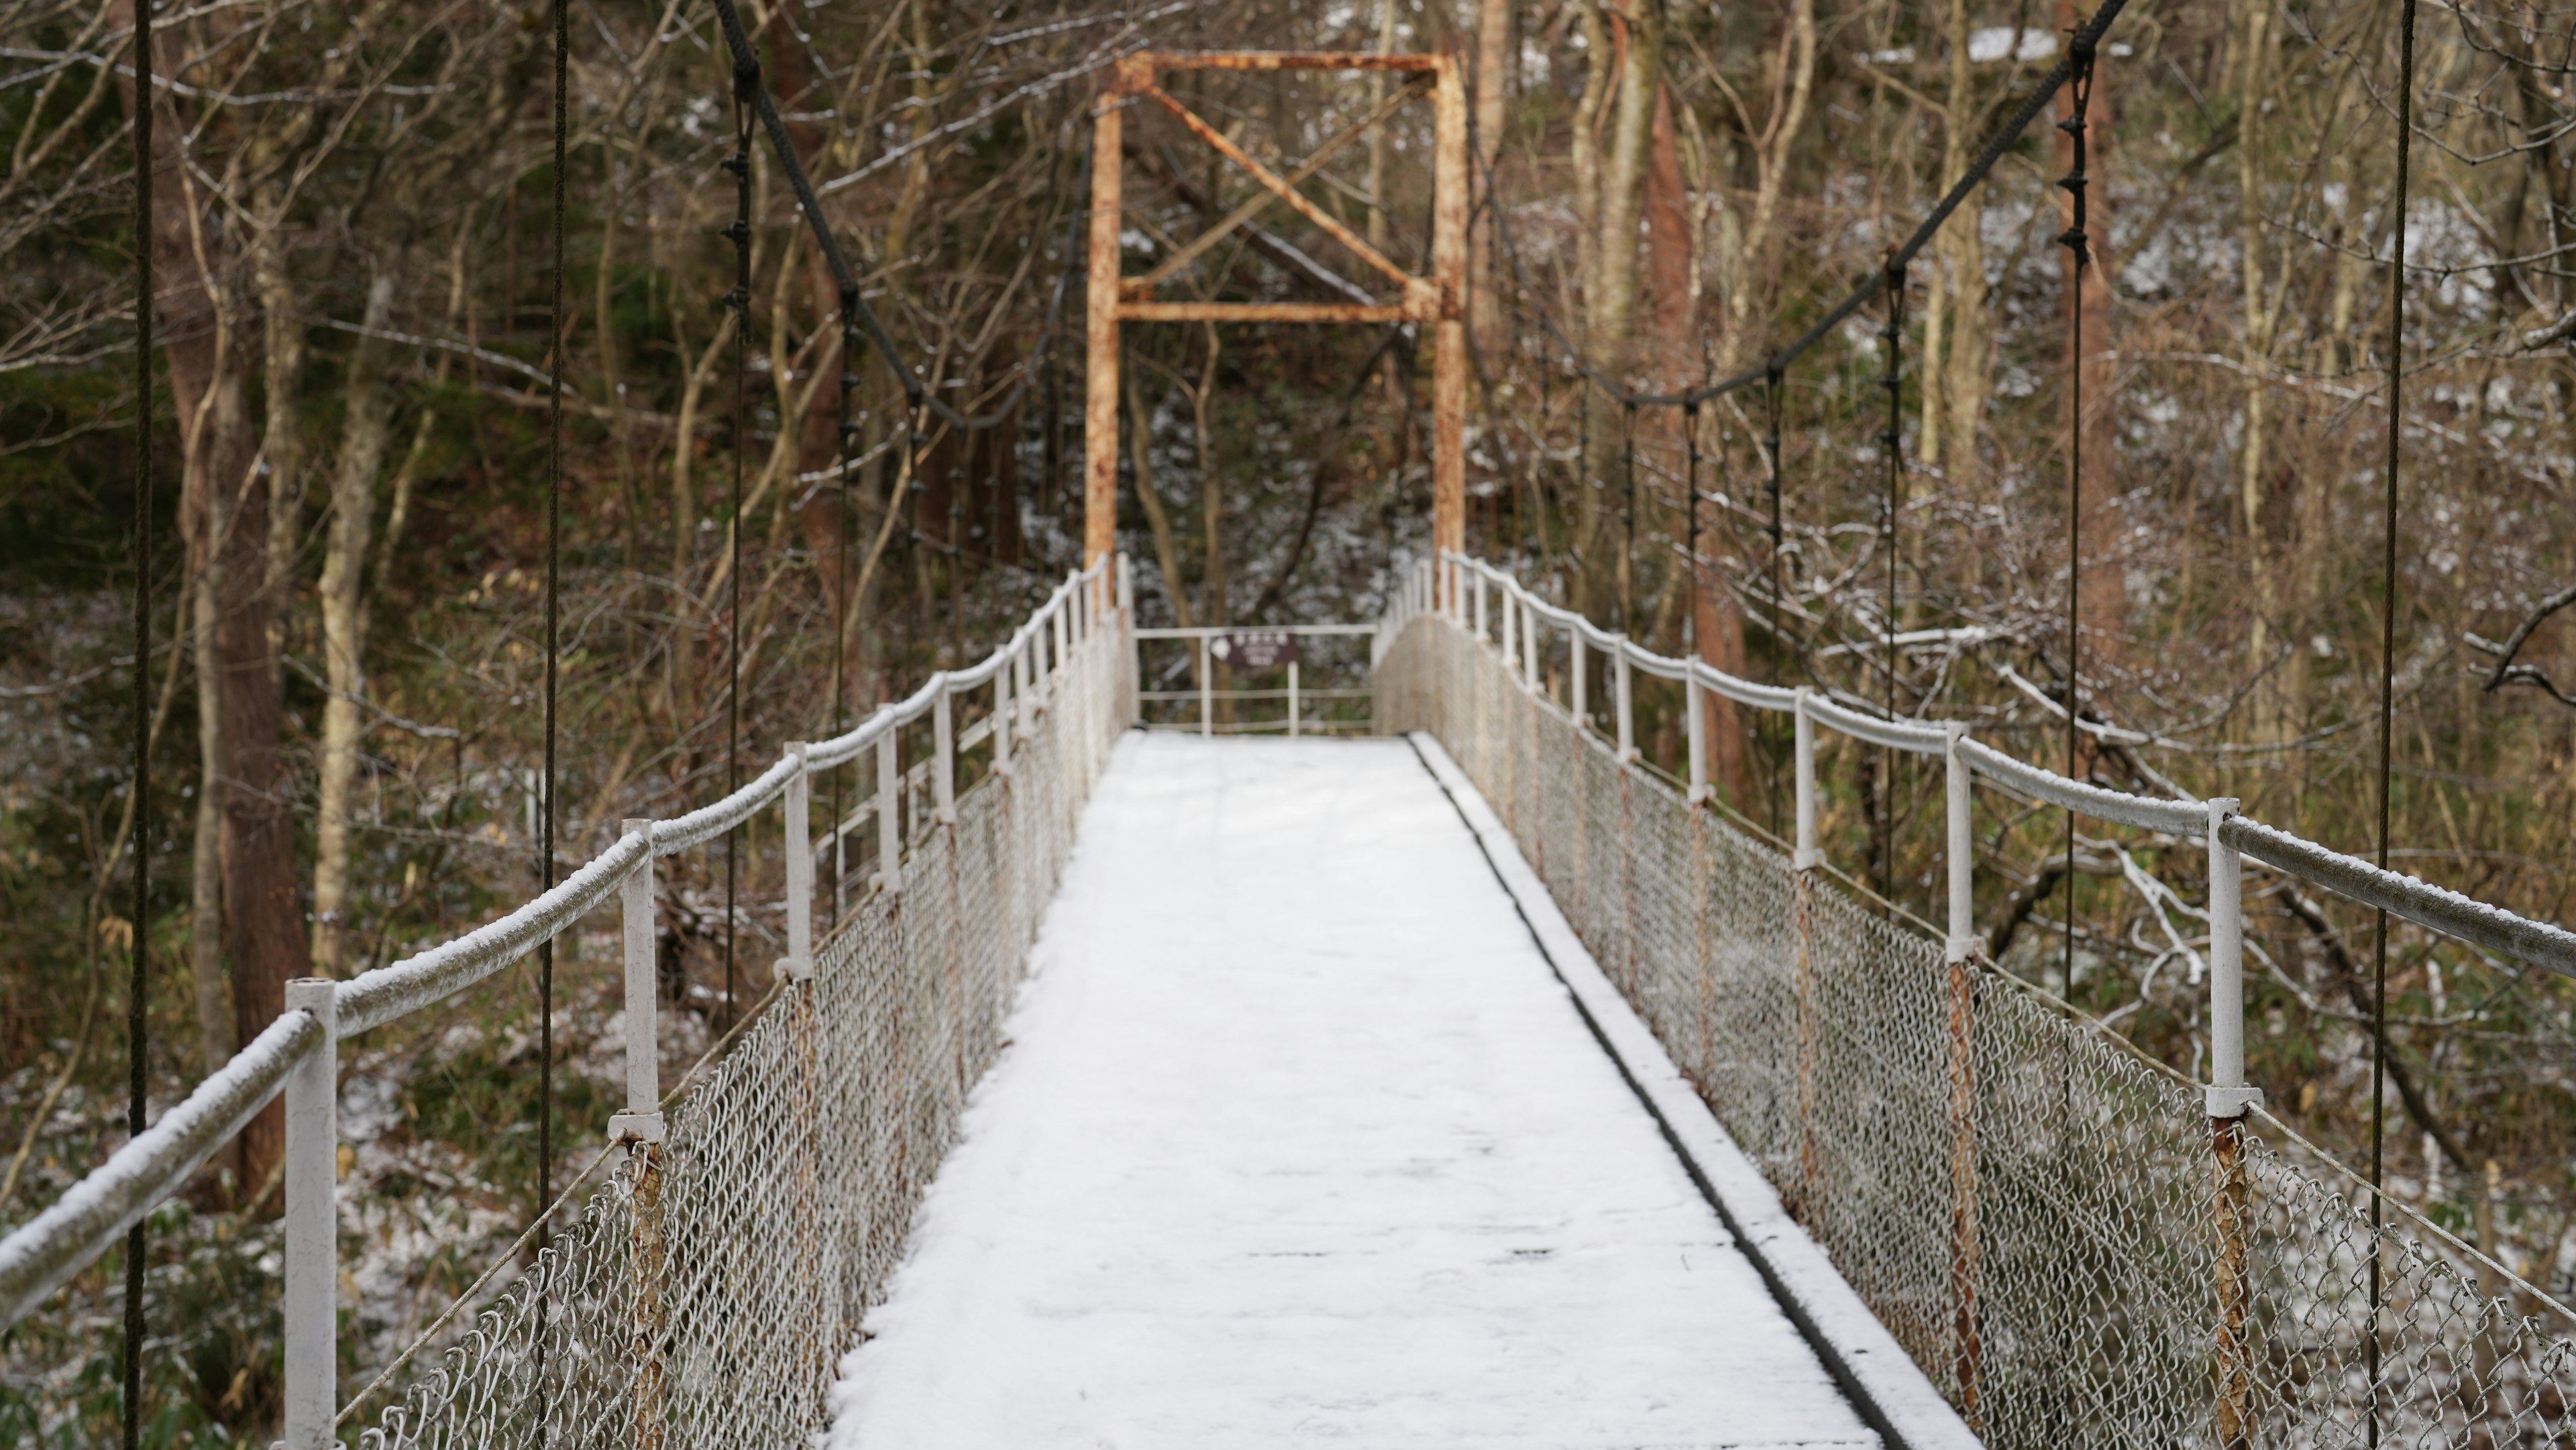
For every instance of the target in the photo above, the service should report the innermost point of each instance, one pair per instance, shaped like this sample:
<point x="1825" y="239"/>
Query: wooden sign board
<point x="1255" y="649"/>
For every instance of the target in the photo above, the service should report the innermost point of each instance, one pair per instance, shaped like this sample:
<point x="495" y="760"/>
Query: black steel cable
<point x="2086" y="36"/>
<point x="738" y="44"/>
<point x="848" y="438"/>
<point x="2388" y="677"/>
<point x="746" y="80"/>
<point x="1892" y="378"/>
<point x="137" y="1021"/>
<point x="1627" y="516"/>
<point x="1771" y="387"/>
<point x="555" y="366"/>
<point x="1690" y="435"/>
<point x="2079" y="56"/>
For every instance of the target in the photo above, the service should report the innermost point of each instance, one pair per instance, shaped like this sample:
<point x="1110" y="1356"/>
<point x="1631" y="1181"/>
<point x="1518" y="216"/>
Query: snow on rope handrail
<point x="58" y="1243"/>
<point x="65" y="1238"/>
<point x="2490" y="928"/>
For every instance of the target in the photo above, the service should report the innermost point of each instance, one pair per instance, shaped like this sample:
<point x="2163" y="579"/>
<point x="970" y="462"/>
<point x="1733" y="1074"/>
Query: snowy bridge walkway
<point x="1299" y="1138"/>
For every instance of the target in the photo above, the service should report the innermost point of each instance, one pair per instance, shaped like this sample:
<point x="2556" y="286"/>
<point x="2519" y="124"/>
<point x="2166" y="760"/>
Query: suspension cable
<point x="1771" y="388"/>
<point x="2079" y="248"/>
<point x="751" y="93"/>
<point x="1690" y="435"/>
<point x="847" y="435"/>
<point x="2388" y="677"/>
<point x="1627" y="517"/>
<point x="137" y="1022"/>
<point x="1891" y="378"/>
<point x="746" y="79"/>
<point x="2085" y="37"/>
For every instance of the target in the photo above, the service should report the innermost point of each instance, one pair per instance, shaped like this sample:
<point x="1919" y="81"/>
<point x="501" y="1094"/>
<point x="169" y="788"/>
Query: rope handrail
<point x="78" y="1227"/>
<point x="41" y="1255"/>
<point x="2480" y="924"/>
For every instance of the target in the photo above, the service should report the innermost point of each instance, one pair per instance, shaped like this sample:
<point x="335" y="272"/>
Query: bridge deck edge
<point x="1886" y="1387"/>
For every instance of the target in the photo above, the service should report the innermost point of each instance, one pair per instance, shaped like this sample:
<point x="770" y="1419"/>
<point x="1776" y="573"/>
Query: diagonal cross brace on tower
<point x="1439" y="299"/>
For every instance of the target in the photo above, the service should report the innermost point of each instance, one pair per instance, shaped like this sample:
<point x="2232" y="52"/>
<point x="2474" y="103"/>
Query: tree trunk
<point x="1954" y="401"/>
<point x="206" y="874"/>
<point x="344" y="638"/>
<point x="1167" y="554"/>
<point x="2254" y="68"/>
<point x="206" y="348"/>
<point x="1793" y="81"/>
<point x="1672" y="271"/>
<point x="1611" y="283"/>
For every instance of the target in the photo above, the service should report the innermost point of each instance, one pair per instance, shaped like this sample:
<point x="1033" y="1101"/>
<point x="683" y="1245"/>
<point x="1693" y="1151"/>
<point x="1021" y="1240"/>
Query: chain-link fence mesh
<point x="704" y="1293"/>
<point x="2051" y="1227"/>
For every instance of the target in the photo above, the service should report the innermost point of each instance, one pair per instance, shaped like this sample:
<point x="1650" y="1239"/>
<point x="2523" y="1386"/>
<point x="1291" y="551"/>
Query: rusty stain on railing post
<point x="645" y="1242"/>
<point x="2235" y="1289"/>
<point x="822" y="1325"/>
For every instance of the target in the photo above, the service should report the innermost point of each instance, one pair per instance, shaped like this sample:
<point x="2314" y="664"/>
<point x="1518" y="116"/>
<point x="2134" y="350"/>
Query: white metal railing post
<point x="1056" y="642"/>
<point x="2227" y="1095"/>
<point x="943" y="755"/>
<point x="1207" y="691"/>
<point x="1511" y="642"/>
<point x="1582" y="712"/>
<point x="1959" y="802"/>
<point x="1807" y="853"/>
<point x="1696" y="709"/>
<point x="1127" y="623"/>
<point x="1024" y="681"/>
<point x="1623" y="701"/>
<point x="1292" y="699"/>
<point x="1478" y="575"/>
<point x="799" y="808"/>
<point x="889" y="815"/>
<point x="312" y="1247"/>
<point x="641" y="1120"/>
<point x="1529" y="647"/>
<point x="1002" y="719"/>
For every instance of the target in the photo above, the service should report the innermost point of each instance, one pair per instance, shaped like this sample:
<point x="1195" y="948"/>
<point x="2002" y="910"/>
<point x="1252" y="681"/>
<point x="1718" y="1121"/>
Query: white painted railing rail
<point x="73" y="1232"/>
<point x="2490" y="928"/>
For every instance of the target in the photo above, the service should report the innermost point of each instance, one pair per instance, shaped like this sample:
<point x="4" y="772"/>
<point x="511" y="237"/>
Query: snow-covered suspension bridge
<point x="1475" y="1084"/>
<point x="1479" y="1086"/>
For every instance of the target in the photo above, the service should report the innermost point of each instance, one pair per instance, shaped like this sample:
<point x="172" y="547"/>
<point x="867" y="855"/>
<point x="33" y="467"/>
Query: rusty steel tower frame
<point x="1439" y="300"/>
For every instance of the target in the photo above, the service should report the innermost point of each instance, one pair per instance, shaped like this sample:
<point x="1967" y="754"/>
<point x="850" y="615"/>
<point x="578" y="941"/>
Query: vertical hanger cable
<point x="2079" y="93"/>
<point x="137" y="1020"/>
<point x="2387" y="683"/>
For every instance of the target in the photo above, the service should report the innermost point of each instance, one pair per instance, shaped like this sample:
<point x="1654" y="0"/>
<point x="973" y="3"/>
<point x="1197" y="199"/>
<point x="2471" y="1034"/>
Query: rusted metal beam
<point x="1100" y="331"/>
<point x="1284" y="60"/>
<point x="1144" y="286"/>
<point x="1449" y="332"/>
<point x="1150" y="311"/>
<point x="1271" y="179"/>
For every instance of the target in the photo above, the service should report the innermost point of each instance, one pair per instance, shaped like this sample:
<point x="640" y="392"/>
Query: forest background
<point x="354" y="257"/>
